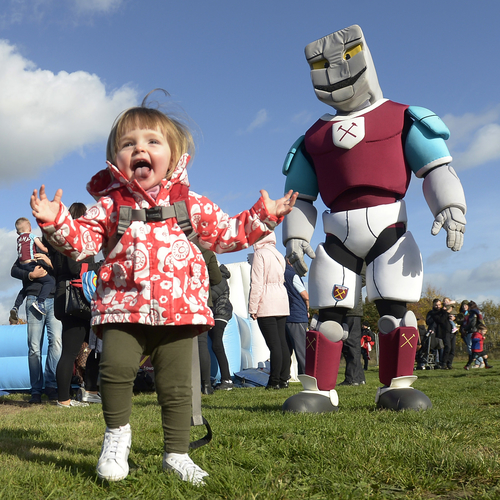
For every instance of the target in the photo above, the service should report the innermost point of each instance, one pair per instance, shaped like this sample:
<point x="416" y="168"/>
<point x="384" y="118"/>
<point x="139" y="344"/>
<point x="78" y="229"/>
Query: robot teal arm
<point x="300" y="175"/>
<point x="299" y="224"/>
<point x="428" y="157"/>
<point x="425" y="146"/>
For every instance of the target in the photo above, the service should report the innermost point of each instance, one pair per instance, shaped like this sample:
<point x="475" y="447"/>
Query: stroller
<point x="430" y="344"/>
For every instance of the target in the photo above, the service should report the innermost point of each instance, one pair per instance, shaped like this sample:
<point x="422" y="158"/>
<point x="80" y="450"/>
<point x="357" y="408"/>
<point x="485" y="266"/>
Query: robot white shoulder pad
<point x="430" y="120"/>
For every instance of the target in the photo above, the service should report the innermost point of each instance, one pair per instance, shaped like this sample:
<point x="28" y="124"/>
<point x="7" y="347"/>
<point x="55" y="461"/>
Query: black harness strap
<point x="183" y="219"/>
<point x="178" y="211"/>
<point x="197" y="419"/>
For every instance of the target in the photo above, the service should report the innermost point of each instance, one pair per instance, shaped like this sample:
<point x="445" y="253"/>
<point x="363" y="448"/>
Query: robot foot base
<point x="309" y="402"/>
<point x="405" y="398"/>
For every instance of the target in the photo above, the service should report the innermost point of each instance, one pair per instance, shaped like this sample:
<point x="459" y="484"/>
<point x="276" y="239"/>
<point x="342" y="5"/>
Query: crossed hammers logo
<point x="310" y="343"/>
<point x="348" y="131"/>
<point x="407" y="341"/>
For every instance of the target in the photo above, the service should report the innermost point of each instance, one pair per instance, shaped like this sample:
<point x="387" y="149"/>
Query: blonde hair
<point x="21" y="223"/>
<point x="177" y="134"/>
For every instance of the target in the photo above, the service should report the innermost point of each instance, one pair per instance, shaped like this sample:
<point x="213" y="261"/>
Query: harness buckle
<point x="154" y="214"/>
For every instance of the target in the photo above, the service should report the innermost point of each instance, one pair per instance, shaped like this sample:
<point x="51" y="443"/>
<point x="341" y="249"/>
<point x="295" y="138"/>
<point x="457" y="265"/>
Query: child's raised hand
<point x="45" y="210"/>
<point x="279" y="207"/>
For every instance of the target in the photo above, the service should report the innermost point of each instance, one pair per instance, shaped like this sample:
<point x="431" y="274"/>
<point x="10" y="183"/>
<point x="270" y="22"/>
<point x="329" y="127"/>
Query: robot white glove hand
<point x="453" y="220"/>
<point x="295" y="250"/>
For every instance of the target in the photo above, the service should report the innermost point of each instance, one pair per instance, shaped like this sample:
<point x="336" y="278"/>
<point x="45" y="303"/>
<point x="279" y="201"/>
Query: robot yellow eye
<point x="352" y="51"/>
<point x="322" y="64"/>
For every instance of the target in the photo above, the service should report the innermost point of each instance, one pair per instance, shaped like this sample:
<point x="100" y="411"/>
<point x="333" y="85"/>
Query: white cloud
<point x="9" y="255"/>
<point x="13" y="14"/>
<point x="484" y="147"/>
<point x="99" y="6"/>
<point x="303" y="118"/>
<point x="475" y="138"/>
<point x="41" y="11"/>
<point x="18" y="11"/>
<point x="260" y="119"/>
<point x="478" y="284"/>
<point x="438" y="257"/>
<point x="45" y="116"/>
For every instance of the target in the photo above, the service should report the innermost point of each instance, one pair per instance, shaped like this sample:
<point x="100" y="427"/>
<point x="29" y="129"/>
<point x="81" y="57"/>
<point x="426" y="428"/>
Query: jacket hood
<point x="110" y="179"/>
<point x="270" y="239"/>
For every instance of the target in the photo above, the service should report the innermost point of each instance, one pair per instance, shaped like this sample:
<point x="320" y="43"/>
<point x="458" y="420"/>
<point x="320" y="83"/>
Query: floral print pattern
<point x="153" y="275"/>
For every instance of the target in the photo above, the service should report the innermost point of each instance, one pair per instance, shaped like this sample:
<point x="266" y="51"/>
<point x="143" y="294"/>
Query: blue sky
<point x="238" y="70"/>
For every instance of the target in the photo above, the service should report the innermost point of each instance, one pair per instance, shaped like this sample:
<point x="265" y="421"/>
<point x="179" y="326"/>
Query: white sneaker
<point x="113" y="462"/>
<point x="184" y="467"/>
<point x="72" y="402"/>
<point x="89" y="397"/>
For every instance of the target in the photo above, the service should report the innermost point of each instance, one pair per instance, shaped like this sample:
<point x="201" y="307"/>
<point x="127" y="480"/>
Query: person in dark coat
<point x="215" y="278"/>
<point x="75" y="331"/>
<point x="438" y="320"/>
<point x="367" y="343"/>
<point x="297" y="321"/>
<point x="223" y="311"/>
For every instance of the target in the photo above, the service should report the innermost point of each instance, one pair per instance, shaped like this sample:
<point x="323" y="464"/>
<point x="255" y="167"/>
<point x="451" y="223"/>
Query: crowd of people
<point x="278" y="301"/>
<point x="45" y="274"/>
<point x="438" y="338"/>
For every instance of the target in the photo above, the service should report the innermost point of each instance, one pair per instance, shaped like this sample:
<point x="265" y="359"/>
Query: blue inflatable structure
<point x="14" y="371"/>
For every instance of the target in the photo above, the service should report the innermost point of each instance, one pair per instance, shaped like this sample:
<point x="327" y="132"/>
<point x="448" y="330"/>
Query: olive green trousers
<point x="170" y="349"/>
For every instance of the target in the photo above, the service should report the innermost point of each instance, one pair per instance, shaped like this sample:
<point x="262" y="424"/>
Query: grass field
<point x="257" y="452"/>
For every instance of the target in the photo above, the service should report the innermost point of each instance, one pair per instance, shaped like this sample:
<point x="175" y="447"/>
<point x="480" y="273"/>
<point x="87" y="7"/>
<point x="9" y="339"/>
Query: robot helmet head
<point x="342" y="70"/>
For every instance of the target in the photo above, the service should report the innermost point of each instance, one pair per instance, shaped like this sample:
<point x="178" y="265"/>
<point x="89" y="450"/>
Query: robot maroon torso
<point x="359" y="158"/>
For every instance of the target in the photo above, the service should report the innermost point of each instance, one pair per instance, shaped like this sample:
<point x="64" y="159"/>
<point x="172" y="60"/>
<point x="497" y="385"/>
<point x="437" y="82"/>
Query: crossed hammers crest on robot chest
<point x="348" y="133"/>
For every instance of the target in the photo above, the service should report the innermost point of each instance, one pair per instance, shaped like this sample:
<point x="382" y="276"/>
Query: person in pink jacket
<point x="268" y="304"/>
<point x="152" y="289"/>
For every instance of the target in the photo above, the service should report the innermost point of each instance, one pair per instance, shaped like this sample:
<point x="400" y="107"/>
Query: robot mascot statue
<point x="360" y="161"/>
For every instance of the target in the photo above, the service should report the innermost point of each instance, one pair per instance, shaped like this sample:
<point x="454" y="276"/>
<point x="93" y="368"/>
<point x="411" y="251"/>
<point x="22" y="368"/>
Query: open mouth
<point x="141" y="169"/>
<point x="340" y="85"/>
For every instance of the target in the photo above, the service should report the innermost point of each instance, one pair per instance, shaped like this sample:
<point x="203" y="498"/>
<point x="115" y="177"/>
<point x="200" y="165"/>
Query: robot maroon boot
<point x="396" y="361"/>
<point x="322" y="366"/>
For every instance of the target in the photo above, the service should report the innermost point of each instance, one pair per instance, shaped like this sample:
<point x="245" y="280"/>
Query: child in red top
<point x="152" y="289"/>
<point x="29" y="246"/>
<point x="478" y="345"/>
<point x="367" y="343"/>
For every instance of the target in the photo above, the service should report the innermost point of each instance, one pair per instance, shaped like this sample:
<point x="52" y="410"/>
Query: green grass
<point x="258" y="452"/>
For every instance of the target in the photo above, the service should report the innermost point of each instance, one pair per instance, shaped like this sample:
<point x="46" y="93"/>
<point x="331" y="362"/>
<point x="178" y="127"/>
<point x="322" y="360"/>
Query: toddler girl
<point x="152" y="290"/>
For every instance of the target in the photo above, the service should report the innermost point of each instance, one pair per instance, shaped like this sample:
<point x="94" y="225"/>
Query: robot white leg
<point x="330" y="285"/>
<point x="397" y="275"/>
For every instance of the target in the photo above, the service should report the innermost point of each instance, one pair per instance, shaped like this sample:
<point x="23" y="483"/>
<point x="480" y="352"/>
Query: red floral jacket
<point x="152" y="275"/>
